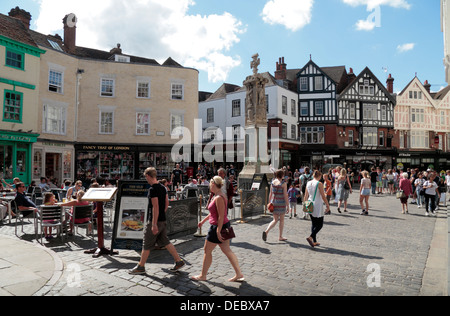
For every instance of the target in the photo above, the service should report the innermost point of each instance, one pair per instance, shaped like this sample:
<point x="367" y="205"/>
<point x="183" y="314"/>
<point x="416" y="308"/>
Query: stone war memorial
<point x="257" y="158"/>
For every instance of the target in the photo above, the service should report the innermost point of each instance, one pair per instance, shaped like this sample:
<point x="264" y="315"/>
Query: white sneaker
<point x="427" y="214"/>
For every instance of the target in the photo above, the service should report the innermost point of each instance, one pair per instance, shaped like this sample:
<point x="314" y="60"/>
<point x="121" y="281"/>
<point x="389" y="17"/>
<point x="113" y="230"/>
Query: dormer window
<point x="122" y="58"/>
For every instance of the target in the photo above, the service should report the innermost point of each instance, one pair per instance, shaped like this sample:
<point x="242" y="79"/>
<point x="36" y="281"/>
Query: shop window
<point x="12" y="107"/>
<point x="6" y="167"/>
<point x="37" y="164"/>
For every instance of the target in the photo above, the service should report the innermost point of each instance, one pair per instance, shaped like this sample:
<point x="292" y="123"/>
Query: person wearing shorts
<point x="365" y="189"/>
<point x="155" y="231"/>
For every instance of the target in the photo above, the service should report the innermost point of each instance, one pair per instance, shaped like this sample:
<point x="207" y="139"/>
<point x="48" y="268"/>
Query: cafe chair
<point x="37" y="193"/>
<point x="81" y="212"/>
<point x="20" y="216"/>
<point x="50" y="216"/>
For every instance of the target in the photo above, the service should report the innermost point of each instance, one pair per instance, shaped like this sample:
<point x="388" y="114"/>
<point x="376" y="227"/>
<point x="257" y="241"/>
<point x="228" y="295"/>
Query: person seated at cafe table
<point x="11" y="186"/>
<point x="77" y="202"/>
<point x="49" y="199"/>
<point x="23" y="202"/>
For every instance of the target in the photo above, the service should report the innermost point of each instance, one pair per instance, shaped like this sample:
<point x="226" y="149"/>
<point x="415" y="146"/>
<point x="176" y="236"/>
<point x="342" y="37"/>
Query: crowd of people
<point x="312" y="189"/>
<point x="289" y="189"/>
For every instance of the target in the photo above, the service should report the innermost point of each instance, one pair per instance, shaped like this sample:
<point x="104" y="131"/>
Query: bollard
<point x="265" y="204"/>
<point x="242" y="209"/>
<point x="199" y="217"/>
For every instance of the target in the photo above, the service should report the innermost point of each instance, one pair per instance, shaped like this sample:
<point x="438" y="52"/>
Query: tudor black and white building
<point x="366" y="121"/>
<point x="344" y="118"/>
<point x="318" y="89"/>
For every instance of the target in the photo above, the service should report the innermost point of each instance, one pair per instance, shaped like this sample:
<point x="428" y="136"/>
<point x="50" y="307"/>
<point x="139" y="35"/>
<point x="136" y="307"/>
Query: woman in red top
<point x="405" y="185"/>
<point x="218" y="219"/>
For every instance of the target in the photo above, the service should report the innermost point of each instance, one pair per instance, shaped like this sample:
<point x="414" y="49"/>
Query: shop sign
<point x="18" y="138"/>
<point x="106" y="147"/>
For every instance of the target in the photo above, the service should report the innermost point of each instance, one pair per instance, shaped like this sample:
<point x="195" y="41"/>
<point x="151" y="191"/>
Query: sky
<point x="398" y="37"/>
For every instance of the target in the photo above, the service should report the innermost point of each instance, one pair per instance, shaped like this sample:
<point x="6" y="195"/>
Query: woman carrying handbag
<point x="219" y="233"/>
<point x="280" y="201"/>
<point x="314" y="189"/>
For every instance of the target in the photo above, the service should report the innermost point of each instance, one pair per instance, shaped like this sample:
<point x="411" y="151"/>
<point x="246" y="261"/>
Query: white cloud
<point x="152" y="29"/>
<point x="405" y="47"/>
<point x="293" y="14"/>
<point x="372" y="4"/>
<point x="365" y="25"/>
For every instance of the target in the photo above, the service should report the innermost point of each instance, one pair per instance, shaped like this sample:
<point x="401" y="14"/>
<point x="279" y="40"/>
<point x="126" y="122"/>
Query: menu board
<point x="130" y="215"/>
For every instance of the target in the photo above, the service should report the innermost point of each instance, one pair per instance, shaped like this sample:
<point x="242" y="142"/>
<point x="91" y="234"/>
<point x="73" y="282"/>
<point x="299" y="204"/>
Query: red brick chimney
<point x="280" y="73"/>
<point x="70" y="32"/>
<point x="351" y="76"/>
<point x="390" y="84"/>
<point x="427" y="86"/>
<point x="21" y="15"/>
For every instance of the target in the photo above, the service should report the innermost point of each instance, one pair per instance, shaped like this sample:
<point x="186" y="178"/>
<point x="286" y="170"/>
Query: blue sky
<point x="219" y="37"/>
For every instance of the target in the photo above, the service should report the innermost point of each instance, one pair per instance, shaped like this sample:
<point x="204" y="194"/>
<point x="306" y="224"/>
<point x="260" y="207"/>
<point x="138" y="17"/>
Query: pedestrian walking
<point x="279" y="198"/>
<point x="315" y="192"/>
<point x="344" y="189"/>
<point x="419" y="190"/>
<point x="405" y="186"/>
<point x="328" y="190"/>
<point x="293" y="193"/>
<point x="155" y="231"/>
<point x="431" y="189"/>
<point x="219" y="220"/>
<point x="364" y="192"/>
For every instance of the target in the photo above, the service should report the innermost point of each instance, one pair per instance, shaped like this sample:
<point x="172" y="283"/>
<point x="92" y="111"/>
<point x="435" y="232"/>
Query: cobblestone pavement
<point x="385" y="253"/>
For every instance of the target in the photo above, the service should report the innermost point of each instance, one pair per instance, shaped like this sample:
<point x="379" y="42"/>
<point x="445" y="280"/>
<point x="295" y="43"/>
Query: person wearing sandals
<point x="280" y="200"/>
<point x="344" y="189"/>
<point x="315" y="192"/>
<point x="218" y="219"/>
<point x="364" y="191"/>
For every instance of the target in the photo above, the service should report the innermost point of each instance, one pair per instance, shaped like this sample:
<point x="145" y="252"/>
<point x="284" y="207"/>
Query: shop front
<point x="121" y="162"/>
<point x="15" y="156"/>
<point x="53" y="160"/>
<point x="436" y="160"/>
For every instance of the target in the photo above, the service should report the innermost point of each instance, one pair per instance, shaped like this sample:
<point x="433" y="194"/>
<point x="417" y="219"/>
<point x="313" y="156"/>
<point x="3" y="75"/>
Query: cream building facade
<point x="422" y="122"/>
<point x="103" y="114"/>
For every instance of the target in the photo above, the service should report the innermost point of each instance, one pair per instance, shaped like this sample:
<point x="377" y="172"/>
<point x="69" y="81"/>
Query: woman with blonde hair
<point x="364" y="192"/>
<point x="218" y="219"/>
<point x="280" y="200"/>
<point x="344" y="188"/>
